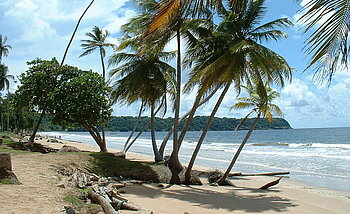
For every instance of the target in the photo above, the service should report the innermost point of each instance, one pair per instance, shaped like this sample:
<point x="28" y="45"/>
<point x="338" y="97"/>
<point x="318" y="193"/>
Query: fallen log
<point x="106" y="206"/>
<point x="258" y="174"/>
<point x="270" y="184"/>
<point x="119" y="204"/>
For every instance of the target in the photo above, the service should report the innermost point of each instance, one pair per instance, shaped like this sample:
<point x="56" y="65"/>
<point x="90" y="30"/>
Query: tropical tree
<point x="79" y="99"/>
<point x="98" y="42"/>
<point x="5" y="85"/>
<point x="5" y="77"/>
<point x="260" y="99"/>
<point x="233" y="54"/>
<point x="328" y="43"/>
<point x="146" y="78"/>
<point x="4" y="48"/>
<point x="170" y="18"/>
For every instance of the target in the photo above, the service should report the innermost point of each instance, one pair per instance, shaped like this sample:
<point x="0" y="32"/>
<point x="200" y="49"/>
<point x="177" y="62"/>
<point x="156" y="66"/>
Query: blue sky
<point x="41" y="28"/>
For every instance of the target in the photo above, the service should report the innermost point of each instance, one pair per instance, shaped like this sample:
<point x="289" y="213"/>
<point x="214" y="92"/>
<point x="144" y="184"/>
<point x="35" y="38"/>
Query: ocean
<point x="320" y="157"/>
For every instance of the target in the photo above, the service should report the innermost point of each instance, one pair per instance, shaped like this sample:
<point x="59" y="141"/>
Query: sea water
<point x="320" y="157"/>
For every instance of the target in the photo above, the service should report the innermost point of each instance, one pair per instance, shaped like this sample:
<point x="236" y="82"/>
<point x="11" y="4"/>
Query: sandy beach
<point x="287" y="197"/>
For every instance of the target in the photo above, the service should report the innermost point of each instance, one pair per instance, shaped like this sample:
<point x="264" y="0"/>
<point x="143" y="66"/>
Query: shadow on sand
<point x="229" y="198"/>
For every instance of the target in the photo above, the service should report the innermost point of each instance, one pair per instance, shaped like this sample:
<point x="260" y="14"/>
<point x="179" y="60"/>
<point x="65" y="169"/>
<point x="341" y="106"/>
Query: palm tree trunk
<point x="234" y="159"/>
<point x="140" y="133"/>
<point x="32" y="137"/>
<point x="134" y="128"/>
<point x="206" y="129"/>
<point x="165" y="140"/>
<point x="8" y="111"/>
<point x="174" y="162"/>
<point x="243" y="121"/>
<point x="103" y="119"/>
<point x="157" y="156"/>
<point x="74" y="32"/>
<point x="2" y="122"/>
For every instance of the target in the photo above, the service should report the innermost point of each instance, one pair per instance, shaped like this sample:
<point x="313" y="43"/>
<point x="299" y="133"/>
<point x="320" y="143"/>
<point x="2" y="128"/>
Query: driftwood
<point x="119" y="204"/>
<point x="106" y="206"/>
<point x="270" y="184"/>
<point x="258" y="174"/>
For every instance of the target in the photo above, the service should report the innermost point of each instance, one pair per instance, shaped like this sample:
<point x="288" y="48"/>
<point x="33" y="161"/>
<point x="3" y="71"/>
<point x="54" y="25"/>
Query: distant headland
<point x="126" y="123"/>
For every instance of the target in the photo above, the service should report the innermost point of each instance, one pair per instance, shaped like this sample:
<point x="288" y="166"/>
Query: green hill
<point x="126" y="123"/>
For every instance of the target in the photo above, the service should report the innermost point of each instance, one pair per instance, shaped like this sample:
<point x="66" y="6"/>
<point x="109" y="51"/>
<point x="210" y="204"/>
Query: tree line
<point x="126" y="124"/>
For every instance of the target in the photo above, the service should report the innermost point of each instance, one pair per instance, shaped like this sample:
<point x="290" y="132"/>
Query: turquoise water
<point x="318" y="156"/>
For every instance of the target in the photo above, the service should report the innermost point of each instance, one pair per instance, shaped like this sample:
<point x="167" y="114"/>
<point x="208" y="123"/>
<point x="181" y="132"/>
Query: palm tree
<point x="4" y="77"/>
<point x="98" y="42"/>
<point x="328" y="44"/>
<point x="146" y="78"/>
<point x="5" y="85"/>
<point x="4" y="48"/>
<point x="233" y="54"/>
<point x="260" y="99"/>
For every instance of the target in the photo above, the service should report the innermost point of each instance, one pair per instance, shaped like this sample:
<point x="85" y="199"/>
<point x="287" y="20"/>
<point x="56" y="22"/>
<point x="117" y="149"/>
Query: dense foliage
<point x="126" y="123"/>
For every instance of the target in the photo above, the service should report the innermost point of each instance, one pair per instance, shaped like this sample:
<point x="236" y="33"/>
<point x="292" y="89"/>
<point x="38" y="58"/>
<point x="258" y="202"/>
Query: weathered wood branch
<point x="106" y="206"/>
<point x="270" y="184"/>
<point x="257" y="174"/>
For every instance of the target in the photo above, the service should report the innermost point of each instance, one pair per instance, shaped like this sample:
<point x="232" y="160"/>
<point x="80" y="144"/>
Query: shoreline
<point x="302" y="185"/>
<point x="289" y="196"/>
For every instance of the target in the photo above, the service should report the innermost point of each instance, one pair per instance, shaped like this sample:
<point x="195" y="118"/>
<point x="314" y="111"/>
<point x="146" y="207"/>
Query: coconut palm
<point x="4" y="48"/>
<point x="5" y="77"/>
<point x="328" y="44"/>
<point x="98" y="42"/>
<point x="260" y="99"/>
<point x="5" y="85"/>
<point x="233" y="54"/>
<point x="146" y="78"/>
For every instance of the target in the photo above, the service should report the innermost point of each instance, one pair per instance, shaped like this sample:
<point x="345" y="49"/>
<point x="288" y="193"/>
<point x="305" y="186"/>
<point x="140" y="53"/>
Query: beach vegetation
<point x="37" y="85"/>
<point x="112" y="166"/>
<point x="234" y="53"/>
<point x="97" y="41"/>
<point x="260" y="100"/>
<point x="69" y="95"/>
<point x="146" y="78"/>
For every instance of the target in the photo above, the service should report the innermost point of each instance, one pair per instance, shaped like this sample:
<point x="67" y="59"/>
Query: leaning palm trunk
<point x="234" y="159"/>
<point x="174" y="162"/>
<point x="74" y="32"/>
<point x="127" y="147"/>
<point x="243" y="121"/>
<point x="204" y="133"/>
<point x="157" y="156"/>
<point x="134" y="128"/>
<point x="165" y="140"/>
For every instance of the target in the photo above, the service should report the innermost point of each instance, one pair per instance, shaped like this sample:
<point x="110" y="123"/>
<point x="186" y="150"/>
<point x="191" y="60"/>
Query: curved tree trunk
<point x="134" y="128"/>
<point x="234" y="159"/>
<point x="74" y="32"/>
<point x="204" y="133"/>
<point x="139" y="134"/>
<point x="32" y="137"/>
<point x="165" y="140"/>
<point x="157" y="156"/>
<point x="95" y="135"/>
<point x="174" y="162"/>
